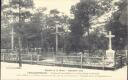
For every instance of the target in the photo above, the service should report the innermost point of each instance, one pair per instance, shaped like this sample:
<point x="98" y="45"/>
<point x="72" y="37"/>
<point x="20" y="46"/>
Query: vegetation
<point x="37" y="29"/>
<point x="118" y="28"/>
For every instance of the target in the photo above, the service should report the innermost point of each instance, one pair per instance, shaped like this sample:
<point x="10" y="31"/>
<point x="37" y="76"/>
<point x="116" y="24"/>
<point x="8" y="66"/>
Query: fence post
<point x="16" y="58"/>
<point x="38" y="56"/>
<point x="115" y="61"/>
<point x="126" y="56"/>
<point x="54" y="59"/>
<point x="3" y="57"/>
<point x="62" y="60"/>
<point x="103" y="62"/>
<point x="81" y="60"/>
<point x="31" y="58"/>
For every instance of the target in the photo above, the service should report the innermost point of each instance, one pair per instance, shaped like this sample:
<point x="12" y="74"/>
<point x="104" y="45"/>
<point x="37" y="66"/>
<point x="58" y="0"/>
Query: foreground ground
<point x="10" y="71"/>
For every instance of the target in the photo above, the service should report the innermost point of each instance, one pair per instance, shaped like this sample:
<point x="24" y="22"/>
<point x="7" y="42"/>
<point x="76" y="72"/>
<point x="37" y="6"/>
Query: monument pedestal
<point x="110" y="54"/>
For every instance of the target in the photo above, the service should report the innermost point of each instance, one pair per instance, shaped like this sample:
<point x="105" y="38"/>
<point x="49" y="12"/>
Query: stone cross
<point x="110" y="36"/>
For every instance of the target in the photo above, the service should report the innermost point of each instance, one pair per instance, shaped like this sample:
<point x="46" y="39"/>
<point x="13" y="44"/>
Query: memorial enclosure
<point x="84" y="34"/>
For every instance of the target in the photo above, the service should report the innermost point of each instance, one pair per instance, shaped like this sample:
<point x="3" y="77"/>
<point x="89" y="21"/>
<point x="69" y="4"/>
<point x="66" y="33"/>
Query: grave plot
<point x="94" y="61"/>
<point x="77" y="60"/>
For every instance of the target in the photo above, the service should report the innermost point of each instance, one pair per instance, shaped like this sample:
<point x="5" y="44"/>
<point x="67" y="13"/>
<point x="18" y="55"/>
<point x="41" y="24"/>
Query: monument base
<point x="110" y="54"/>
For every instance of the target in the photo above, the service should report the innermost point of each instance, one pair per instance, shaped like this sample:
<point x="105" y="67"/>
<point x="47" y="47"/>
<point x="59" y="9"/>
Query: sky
<point x="61" y="5"/>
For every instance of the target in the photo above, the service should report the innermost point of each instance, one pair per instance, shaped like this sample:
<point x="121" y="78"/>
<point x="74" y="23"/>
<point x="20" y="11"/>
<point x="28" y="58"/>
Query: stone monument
<point x="110" y="54"/>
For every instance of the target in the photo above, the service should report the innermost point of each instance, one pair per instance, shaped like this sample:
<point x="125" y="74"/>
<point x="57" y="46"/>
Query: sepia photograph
<point x="64" y="40"/>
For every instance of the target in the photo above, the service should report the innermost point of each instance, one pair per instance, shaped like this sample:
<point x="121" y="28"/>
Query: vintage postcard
<point x="64" y="39"/>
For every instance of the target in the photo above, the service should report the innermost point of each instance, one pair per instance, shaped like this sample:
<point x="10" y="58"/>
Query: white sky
<point x="61" y="5"/>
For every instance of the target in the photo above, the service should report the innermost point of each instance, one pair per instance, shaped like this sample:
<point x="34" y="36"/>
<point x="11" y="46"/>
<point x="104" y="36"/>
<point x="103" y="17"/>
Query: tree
<point x="53" y="19"/>
<point x="5" y="26"/>
<point x="86" y="13"/>
<point x="20" y="17"/>
<point x="124" y="20"/>
<point x="32" y="34"/>
<point x="80" y="25"/>
<point x="118" y="28"/>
